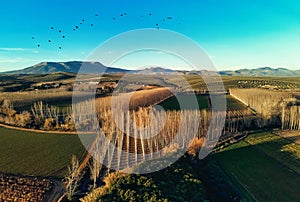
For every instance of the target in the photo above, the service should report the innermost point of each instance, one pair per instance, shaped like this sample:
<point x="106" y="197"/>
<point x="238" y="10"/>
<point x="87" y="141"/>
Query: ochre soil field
<point x="16" y="188"/>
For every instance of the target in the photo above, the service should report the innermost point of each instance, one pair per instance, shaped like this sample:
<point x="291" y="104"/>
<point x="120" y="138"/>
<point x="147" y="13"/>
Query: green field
<point x="234" y="104"/>
<point x="197" y="82"/>
<point x="173" y="104"/>
<point x="203" y="100"/>
<point x="37" y="154"/>
<point x="17" y="82"/>
<point x="266" y="165"/>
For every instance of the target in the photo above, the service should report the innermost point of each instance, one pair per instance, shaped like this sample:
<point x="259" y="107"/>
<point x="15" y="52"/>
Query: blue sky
<point x="234" y="33"/>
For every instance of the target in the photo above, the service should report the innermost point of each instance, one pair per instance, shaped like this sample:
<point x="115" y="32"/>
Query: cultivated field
<point x="203" y="103"/>
<point x="266" y="165"/>
<point x="19" y="82"/>
<point x="290" y="83"/>
<point x="173" y="104"/>
<point x="37" y="154"/>
<point x="24" y="100"/>
<point x="16" y="188"/>
<point x="14" y="83"/>
<point x="252" y="165"/>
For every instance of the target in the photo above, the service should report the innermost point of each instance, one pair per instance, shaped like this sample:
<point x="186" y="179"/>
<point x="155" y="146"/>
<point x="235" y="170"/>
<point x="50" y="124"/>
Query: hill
<point x="97" y="67"/>
<point x="72" y="67"/>
<point x="154" y="70"/>
<point x="263" y="71"/>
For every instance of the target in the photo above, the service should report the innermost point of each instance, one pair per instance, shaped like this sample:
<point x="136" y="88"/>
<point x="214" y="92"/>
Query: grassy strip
<point x="283" y="150"/>
<point x="220" y="184"/>
<point x="264" y="176"/>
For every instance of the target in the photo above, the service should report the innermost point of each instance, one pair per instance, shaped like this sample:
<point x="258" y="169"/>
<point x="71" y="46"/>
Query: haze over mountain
<point x="154" y="70"/>
<point x="263" y="71"/>
<point x="97" y="67"/>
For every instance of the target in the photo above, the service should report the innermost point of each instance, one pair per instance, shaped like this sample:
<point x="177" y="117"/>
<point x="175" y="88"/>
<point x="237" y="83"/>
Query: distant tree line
<point x="41" y="116"/>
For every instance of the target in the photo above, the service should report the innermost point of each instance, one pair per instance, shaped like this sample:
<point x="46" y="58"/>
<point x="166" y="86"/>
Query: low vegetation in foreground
<point x="178" y="182"/>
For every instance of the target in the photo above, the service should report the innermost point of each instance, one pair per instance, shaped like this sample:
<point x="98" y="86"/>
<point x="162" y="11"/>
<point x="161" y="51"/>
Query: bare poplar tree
<point x="72" y="179"/>
<point x="95" y="166"/>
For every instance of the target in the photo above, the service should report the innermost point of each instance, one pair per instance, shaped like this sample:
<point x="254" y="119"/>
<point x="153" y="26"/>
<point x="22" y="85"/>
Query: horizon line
<point x="156" y="66"/>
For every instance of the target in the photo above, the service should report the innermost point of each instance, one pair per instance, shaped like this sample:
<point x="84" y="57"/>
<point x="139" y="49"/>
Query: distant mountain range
<point x="72" y="67"/>
<point x="263" y="71"/>
<point x="154" y="70"/>
<point x="97" y="67"/>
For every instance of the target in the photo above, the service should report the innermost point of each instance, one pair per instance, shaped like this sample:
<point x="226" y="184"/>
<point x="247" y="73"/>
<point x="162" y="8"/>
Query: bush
<point x="49" y="124"/>
<point x="177" y="182"/>
<point x="24" y="119"/>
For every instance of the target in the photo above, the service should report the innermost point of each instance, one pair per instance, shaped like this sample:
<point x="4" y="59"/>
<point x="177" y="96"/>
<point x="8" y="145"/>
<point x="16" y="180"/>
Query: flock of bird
<point x="76" y="27"/>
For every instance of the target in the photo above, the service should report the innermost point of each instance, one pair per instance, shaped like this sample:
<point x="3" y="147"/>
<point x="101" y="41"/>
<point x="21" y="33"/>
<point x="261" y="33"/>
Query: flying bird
<point x="83" y="21"/>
